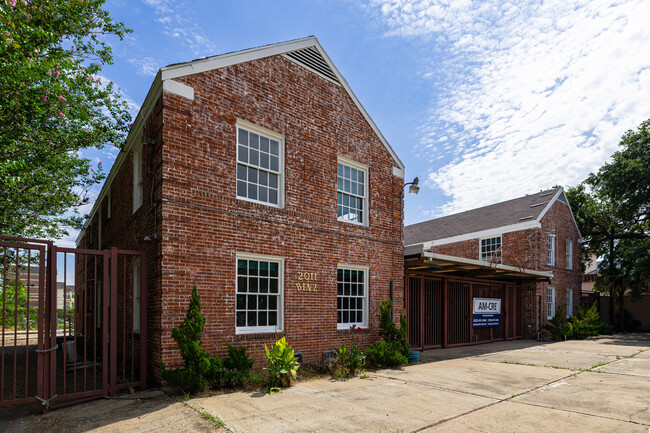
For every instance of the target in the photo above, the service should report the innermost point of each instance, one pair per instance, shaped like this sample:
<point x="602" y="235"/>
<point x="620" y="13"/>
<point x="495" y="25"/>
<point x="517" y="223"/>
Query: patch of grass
<point x="557" y="367"/>
<point x="519" y="363"/>
<point x="364" y="376"/>
<point x="204" y="413"/>
<point x="600" y="364"/>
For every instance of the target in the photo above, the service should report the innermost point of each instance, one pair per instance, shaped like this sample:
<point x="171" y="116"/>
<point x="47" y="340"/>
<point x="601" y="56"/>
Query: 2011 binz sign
<point x="486" y="313"/>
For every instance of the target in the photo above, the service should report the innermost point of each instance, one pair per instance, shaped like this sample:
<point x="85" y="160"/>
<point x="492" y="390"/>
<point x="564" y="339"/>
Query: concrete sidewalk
<point x="599" y="385"/>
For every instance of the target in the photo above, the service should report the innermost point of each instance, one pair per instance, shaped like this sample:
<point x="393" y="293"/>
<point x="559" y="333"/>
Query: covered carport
<point x="440" y="297"/>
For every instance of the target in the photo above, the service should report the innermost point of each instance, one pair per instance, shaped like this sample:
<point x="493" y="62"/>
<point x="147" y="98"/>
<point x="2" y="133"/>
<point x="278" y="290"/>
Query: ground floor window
<point x="550" y="302"/>
<point x="569" y="303"/>
<point x="351" y="296"/>
<point x="259" y="294"/>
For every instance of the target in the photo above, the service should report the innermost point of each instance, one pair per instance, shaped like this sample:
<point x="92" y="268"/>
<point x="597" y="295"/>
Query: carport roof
<point x="417" y="259"/>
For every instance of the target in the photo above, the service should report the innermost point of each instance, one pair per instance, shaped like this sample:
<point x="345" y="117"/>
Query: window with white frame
<point x="259" y="293"/>
<point x="490" y="247"/>
<point x="137" y="273"/>
<point x="351" y="197"/>
<point x="569" y="303"/>
<point x="137" y="177"/>
<point x="351" y="296"/>
<point x="550" y="249"/>
<point x="569" y="254"/>
<point x="550" y="303"/>
<point x="260" y="165"/>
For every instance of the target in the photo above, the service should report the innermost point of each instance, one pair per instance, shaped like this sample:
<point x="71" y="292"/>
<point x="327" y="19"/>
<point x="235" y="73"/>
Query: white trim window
<point x="352" y="192"/>
<point x="569" y="254"/>
<point x="260" y="165"/>
<point x="351" y="296"/>
<point x="569" y="303"/>
<point x="137" y="177"/>
<point x="137" y="271"/>
<point x="490" y="247"/>
<point x="550" y="302"/>
<point x="259" y="294"/>
<point x="550" y="249"/>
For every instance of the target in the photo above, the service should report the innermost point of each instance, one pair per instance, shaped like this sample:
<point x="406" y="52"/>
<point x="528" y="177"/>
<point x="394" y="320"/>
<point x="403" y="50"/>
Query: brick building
<point x="259" y="175"/>
<point x="531" y="243"/>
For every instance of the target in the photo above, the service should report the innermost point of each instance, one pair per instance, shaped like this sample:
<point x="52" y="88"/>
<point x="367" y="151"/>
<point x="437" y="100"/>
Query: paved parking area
<point x="599" y="385"/>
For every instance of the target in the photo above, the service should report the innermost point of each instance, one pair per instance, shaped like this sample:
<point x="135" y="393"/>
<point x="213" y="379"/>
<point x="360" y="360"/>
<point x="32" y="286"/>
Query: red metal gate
<point x="73" y="322"/>
<point x="439" y="312"/>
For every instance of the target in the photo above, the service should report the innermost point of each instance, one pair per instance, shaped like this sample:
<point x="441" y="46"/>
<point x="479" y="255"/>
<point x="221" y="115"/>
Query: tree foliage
<point x="611" y="209"/>
<point x="53" y="104"/>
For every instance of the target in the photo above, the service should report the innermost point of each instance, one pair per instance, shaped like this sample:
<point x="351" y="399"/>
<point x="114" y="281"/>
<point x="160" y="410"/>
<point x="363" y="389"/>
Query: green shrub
<point x="237" y="367"/>
<point x="394" y="349"/>
<point x="384" y="355"/>
<point x="349" y="361"/>
<point x="585" y="323"/>
<point x="557" y="327"/>
<point x="200" y="368"/>
<point x="282" y="364"/>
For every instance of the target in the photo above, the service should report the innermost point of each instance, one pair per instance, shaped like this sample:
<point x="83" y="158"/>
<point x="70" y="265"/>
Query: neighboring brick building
<point x="259" y="175"/>
<point x="535" y="232"/>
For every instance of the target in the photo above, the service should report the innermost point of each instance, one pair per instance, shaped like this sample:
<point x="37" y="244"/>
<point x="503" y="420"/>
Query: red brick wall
<point x="527" y="249"/>
<point x="202" y="225"/>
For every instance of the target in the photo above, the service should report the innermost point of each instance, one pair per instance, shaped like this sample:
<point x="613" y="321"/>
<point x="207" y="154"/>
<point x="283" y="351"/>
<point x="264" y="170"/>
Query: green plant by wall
<point x="557" y="327"/>
<point x="349" y="361"/>
<point x="237" y="367"/>
<point x="585" y="323"/>
<point x="201" y="369"/>
<point x="393" y="350"/>
<point x="282" y="364"/>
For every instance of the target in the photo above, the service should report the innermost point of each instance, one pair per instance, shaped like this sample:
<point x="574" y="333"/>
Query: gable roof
<point x="517" y="214"/>
<point x="306" y="52"/>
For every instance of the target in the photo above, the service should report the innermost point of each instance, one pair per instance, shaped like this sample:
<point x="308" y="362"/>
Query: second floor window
<point x="491" y="247"/>
<point x="569" y="254"/>
<point x="259" y="165"/>
<point x="351" y="201"/>
<point x="550" y="249"/>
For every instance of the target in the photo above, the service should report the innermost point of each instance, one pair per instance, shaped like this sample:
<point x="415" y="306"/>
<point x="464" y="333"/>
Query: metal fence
<point x="73" y="322"/>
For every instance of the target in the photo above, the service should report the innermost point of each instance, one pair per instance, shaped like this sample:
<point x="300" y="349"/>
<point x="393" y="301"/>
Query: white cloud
<point x="147" y="66"/>
<point x="176" y="22"/>
<point x="534" y="93"/>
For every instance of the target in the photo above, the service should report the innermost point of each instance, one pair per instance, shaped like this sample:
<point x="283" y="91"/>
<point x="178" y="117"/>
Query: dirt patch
<point x="145" y="411"/>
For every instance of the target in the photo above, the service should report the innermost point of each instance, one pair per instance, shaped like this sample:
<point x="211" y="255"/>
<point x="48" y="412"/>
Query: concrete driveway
<point x="600" y="385"/>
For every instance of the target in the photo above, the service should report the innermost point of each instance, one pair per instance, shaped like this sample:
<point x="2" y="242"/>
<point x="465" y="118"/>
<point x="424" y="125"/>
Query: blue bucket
<point x="414" y="356"/>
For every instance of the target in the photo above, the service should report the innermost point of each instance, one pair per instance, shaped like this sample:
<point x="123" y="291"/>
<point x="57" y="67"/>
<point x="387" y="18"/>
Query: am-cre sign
<point x="487" y="312"/>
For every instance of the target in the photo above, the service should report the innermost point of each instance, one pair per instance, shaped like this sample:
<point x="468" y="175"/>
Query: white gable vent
<point x="311" y="59"/>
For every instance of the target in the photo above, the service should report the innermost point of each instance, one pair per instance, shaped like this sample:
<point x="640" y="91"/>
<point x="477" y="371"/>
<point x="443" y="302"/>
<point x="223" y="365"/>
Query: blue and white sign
<point x="487" y="312"/>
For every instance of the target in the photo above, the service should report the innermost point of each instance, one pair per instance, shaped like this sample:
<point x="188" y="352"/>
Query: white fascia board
<point x="549" y="204"/>
<point x="483" y="233"/>
<point x="179" y="89"/>
<point x="134" y="134"/>
<point x="224" y="60"/>
<point x="229" y="59"/>
<point x="553" y="200"/>
<point x="356" y="101"/>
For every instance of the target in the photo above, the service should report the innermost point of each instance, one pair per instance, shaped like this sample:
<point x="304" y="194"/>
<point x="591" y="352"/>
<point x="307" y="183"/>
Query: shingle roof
<point x="515" y="211"/>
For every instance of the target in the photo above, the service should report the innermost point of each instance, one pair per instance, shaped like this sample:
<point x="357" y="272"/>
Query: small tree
<point x="200" y="368"/>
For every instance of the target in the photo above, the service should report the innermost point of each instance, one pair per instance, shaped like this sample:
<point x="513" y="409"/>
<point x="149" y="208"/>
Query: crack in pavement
<point x="511" y="398"/>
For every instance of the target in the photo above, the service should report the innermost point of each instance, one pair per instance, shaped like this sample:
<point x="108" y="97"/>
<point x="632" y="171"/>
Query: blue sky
<point x="484" y="101"/>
